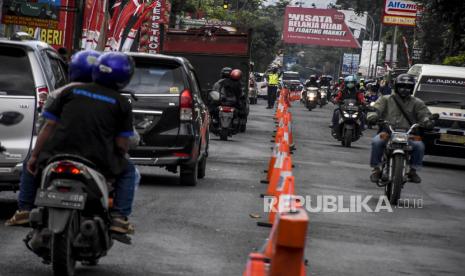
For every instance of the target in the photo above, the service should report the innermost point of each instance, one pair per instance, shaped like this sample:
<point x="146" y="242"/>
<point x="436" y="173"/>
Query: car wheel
<point x="189" y="174"/>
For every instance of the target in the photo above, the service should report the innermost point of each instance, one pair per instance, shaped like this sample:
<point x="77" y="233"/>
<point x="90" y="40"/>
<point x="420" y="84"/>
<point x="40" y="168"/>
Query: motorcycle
<point x="323" y="96"/>
<point x="311" y="98"/>
<point x="395" y="164"/>
<point x="349" y="128"/>
<point x="225" y="120"/>
<point x="72" y="219"/>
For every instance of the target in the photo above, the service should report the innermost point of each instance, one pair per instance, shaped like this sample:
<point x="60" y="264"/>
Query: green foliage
<point x="455" y="60"/>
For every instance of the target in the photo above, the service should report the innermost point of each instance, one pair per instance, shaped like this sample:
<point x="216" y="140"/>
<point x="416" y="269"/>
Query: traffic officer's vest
<point x="273" y="79"/>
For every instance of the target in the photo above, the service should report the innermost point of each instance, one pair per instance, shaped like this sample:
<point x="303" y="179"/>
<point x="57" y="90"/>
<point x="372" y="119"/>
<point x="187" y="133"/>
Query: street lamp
<point x="371" y="47"/>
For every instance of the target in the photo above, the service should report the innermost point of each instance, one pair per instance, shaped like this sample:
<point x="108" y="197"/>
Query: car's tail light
<point x="181" y="154"/>
<point x="42" y="95"/>
<point x="186" y="105"/>
<point x="66" y="168"/>
<point x="227" y="109"/>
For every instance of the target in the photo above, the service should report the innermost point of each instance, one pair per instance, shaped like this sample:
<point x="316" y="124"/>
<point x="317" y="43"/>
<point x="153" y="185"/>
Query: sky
<point x="319" y="3"/>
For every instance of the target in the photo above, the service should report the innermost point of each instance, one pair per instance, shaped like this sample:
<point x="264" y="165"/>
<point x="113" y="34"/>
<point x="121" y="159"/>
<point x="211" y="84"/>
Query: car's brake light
<point x="185" y="105"/>
<point x="42" y="95"/>
<point x="66" y="167"/>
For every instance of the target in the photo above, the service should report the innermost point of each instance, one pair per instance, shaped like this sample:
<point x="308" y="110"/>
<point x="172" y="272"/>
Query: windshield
<point x="15" y="72"/>
<point x="156" y="79"/>
<point x="291" y="76"/>
<point x="441" y="91"/>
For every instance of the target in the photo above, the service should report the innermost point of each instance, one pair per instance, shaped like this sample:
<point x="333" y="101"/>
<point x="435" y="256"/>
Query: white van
<point x="442" y="88"/>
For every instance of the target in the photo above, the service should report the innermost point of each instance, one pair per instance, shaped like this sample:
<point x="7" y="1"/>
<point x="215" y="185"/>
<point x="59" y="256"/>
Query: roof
<point x="34" y="44"/>
<point x="442" y="71"/>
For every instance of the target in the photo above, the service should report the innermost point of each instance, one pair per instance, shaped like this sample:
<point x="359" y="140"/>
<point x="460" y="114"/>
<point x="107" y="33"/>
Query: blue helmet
<point x="113" y="70"/>
<point x="82" y="64"/>
<point x="350" y="81"/>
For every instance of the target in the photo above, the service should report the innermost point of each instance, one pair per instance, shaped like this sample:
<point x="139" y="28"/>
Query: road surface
<point x="210" y="229"/>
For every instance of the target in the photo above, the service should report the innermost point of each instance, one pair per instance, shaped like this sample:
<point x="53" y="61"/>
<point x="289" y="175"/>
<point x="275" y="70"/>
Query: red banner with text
<point x="324" y="27"/>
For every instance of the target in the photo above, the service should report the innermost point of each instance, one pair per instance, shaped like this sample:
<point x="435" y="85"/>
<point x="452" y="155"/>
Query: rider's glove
<point x="428" y="125"/>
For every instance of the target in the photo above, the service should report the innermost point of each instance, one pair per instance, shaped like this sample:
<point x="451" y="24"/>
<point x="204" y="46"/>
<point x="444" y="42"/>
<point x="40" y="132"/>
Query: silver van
<point x="29" y="70"/>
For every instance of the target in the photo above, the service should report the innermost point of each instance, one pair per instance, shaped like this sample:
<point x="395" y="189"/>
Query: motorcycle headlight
<point x="355" y="115"/>
<point x="311" y="95"/>
<point x="400" y="138"/>
<point x="346" y="114"/>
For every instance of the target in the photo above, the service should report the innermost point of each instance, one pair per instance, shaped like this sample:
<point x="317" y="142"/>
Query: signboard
<point x="416" y="53"/>
<point x="350" y="63"/>
<point x="355" y="22"/>
<point x="52" y="25"/>
<point x="324" y="27"/>
<point x="400" y="13"/>
<point x="31" y="13"/>
<point x="365" y="57"/>
<point x="388" y="53"/>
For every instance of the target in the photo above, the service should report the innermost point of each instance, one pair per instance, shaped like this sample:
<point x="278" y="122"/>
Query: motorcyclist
<point x="273" y="82"/>
<point x="312" y="82"/>
<point x="230" y="87"/>
<point x="388" y="110"/>
<point x="348" y="92"/>
<point x="100" y="134"/>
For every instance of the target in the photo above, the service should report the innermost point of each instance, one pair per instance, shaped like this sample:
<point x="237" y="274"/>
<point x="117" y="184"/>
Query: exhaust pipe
<point x="88" y="228"/>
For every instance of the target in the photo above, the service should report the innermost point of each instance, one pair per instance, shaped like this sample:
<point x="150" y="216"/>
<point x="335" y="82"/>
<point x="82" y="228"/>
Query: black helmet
<point x="404" y="85"/>
<point x="313" y="78"/>
<point x="226" y="72"/>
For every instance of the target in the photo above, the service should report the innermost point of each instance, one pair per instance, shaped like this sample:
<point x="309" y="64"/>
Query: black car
<point x="170" y="116"/>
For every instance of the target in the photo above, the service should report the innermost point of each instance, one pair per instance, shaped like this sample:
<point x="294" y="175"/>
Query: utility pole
<point x="377" y="51"/>
<point x="371" y="47"/>
<point x="391" y="58"/>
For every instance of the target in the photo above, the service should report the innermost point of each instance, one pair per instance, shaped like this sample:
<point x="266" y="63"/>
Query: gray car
<point x="29" y="70"/>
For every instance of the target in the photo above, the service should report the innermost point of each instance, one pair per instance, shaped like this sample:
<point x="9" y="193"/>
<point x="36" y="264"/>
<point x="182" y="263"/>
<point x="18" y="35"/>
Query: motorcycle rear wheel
<point x="224" y="135"/>
<point x="347" y="139"/>
<point x="63" y="261"/>
<point x="393" y="189"/>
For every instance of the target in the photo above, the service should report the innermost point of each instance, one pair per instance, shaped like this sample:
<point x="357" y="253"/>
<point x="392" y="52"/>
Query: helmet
<point x="404" y="85"/>
<point x="350" y="81"/>
<point x="362" y="80"/>
<point x="226" y="72"/>
<point x="81" y="65"/>
<point x="312" y="78"/>
<point x="113" y="70"/>
<point x="236" y="74"/>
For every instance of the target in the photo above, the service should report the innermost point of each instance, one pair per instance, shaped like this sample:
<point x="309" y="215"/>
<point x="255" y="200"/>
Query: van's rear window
<point x="15" y="72"/>
<point x="156" y="79"/>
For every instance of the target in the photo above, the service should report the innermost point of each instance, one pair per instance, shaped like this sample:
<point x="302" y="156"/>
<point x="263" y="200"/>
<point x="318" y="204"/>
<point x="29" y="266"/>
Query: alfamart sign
<point x="400" y="13"/>
<point x="324" y="27"/>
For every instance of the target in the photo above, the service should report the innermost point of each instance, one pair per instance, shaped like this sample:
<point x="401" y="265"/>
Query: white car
<point x="442" y="88"/>
<point x="261" y="85"/>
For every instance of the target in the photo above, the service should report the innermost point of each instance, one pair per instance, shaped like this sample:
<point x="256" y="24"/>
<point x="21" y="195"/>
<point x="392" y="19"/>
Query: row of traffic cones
<point x="283" y="252"/>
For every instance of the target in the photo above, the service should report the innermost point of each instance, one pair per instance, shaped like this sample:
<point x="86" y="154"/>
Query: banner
<point x="350" y="64"/>
<point x="400" y="13"/>
<point x="150" y="36"/>
<point x="365" y="63"/>
<point x="356" y="22"/>
<point x="324" y="27"/>
<point x="54" y="25"/>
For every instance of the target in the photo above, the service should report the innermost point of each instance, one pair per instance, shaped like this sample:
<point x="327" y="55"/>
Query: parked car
<point x="29" y="70"/>
<point x="170" y="115"/>
<point x="442" y="88"/>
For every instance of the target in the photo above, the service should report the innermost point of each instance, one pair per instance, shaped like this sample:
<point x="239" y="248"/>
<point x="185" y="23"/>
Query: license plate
<point x="450" y="138"/>
<point x="66" y="200"/>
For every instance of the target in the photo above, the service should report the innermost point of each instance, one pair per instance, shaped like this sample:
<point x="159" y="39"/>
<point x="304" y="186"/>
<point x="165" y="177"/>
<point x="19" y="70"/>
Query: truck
<point x="209" y="49"/>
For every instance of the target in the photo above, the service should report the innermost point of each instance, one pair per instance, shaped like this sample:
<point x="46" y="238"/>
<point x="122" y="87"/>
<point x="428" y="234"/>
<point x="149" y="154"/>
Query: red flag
<point x="114" y="38"/>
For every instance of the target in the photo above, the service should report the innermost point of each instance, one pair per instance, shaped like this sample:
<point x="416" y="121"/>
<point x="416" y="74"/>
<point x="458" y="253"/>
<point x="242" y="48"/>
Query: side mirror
<point x="434" y="116"/>
<point x="214" y="96"/>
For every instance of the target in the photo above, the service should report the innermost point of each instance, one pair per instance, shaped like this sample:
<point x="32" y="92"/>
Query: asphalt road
<point x="208" y="230"/>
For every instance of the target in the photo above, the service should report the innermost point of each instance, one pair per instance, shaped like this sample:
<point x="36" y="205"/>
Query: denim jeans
<point x="377" y="150"/>
<point x="124" y="190"/>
